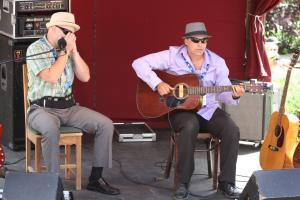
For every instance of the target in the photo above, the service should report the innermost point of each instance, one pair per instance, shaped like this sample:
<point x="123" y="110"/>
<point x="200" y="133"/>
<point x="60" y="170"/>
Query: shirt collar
<point x="46" y="42"/>
<point x="207" y="55"/>
<point x="207" y="59"/>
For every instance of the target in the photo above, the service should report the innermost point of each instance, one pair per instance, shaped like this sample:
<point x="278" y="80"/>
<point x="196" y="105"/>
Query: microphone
<point x="62" y="44"/>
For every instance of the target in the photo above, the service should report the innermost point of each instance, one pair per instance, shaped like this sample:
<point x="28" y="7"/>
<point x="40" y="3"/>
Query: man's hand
<point x="163" y="88"/>
<point x="71" y="43"/>
<point x="237" y="91"/>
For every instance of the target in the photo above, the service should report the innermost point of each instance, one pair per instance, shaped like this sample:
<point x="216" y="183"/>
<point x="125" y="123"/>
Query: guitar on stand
<point x="279" y="146"/>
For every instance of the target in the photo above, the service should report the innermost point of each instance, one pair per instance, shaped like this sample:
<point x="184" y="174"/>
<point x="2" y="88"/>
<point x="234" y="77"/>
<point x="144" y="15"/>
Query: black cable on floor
<point x="150" y="185"/>
<point x="161" y="164"/>
<point x="15" y="162"/>
<point x="134" y="181"/>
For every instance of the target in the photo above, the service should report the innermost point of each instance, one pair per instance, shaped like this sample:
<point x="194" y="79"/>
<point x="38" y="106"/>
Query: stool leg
<point x="78" y="164"/>
<point x="176" y="158"/>
<point x="67" y="161"/>
<point x="38" y="155"/>
<point x="216" y="163"/>
<point x="208" y="156"/>
<point x="28" y="154"/>
<point x="170" y="159"/>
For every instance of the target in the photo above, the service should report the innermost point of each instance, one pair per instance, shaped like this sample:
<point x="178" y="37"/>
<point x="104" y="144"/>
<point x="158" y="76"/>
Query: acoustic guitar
<point x="187" y="94"/>
<point x="282" y="138"/>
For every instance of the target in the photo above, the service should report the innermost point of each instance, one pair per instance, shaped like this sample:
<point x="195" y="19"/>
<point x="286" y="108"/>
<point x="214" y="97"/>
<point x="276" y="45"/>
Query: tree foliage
<point x="283" y="22"/>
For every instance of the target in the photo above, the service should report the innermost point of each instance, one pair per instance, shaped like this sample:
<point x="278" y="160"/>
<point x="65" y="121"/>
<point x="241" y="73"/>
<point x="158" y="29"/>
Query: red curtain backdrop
<point x="126" y="30"/>
<point x="113" y="33"/>
<point x="257" y="64"/>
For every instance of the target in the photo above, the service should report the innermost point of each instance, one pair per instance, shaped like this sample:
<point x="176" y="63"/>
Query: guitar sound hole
<point x="278" y="130"/>
<point x="280" y="140"/>
<point x="180" y="91"/>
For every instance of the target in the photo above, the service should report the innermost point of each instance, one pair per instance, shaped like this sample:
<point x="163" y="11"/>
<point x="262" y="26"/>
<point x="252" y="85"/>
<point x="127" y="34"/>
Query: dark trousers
<point x="188" y="124"/>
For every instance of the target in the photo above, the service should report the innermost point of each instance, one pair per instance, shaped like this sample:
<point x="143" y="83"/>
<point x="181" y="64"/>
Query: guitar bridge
<point x="272" y="148"/>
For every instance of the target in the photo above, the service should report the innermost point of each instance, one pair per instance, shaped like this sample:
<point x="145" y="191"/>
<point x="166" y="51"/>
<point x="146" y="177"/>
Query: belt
<point x="55" y="102"/>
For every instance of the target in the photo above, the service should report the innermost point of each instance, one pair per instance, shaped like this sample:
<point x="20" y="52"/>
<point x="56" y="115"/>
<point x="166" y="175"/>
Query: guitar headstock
<point x="295" y="58"/>
<point x="257" y="87"/>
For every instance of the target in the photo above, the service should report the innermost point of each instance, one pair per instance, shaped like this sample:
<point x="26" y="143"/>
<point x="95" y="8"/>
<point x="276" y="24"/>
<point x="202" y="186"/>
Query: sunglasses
<point x="64" y="30"/>
<point x="197" y="40"/>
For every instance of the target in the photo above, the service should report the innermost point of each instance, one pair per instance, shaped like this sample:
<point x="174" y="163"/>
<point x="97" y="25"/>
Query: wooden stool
<point x="69" y="136"/>
<point x="212" y="144"/>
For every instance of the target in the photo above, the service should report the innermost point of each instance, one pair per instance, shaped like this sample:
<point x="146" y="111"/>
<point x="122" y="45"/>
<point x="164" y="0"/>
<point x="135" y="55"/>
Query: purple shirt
<point x="214" y="71"/>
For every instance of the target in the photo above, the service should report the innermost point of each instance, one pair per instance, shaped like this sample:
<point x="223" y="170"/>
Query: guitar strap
<point x="200" y="76"/>
<point x="191" y="68"/>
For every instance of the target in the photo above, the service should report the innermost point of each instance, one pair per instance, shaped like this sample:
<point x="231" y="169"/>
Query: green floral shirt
<point x="37" y="87"/>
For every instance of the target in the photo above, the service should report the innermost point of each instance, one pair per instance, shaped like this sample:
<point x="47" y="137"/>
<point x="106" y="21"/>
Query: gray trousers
<point x="189" y="124"/>
<point x="47" y="121"/>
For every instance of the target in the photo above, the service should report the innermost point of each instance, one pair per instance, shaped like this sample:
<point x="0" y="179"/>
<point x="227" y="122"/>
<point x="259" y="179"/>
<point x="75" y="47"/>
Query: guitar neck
<point x="283" y="98"/>
<point x="211" y="89"/>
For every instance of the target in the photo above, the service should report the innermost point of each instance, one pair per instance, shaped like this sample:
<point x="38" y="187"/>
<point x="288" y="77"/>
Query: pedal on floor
<point x="134" y="132"/>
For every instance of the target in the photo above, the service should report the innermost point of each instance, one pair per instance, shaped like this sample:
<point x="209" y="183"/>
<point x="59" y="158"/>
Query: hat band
<point x="196" y="33"/>
<point x="62" y="21"/>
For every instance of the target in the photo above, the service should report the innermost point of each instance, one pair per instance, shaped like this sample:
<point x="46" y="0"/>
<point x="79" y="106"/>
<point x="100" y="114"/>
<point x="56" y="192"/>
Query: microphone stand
<point x="24" y="57"/>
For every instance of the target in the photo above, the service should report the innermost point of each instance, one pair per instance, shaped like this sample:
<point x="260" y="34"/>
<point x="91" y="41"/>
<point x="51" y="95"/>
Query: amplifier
<point x="252" y="115"/>
<point x="21" y="19"/>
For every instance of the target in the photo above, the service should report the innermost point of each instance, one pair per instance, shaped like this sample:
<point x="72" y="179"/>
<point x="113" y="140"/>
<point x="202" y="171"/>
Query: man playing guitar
<point x="193" y="57"/>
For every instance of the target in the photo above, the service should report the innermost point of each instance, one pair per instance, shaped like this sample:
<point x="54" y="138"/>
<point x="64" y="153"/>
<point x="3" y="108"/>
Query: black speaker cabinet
<point x="252" y="115"/>
<point x="273" y="184"/>
<point x="11" y="91"/>
<point x="30" y="186"/>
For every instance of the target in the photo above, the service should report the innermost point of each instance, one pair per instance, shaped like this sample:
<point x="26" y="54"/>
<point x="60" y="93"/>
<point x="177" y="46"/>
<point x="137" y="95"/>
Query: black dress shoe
<point x="181" y="193"/>
<point x="229" y="190"/>
<point x="102" y="186"/>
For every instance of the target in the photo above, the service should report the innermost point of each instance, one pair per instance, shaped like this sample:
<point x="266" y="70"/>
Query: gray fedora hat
<point x="195" y="28"/>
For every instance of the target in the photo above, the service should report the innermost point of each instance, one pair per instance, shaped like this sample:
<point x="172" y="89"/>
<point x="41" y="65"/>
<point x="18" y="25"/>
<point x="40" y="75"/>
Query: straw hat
<point x="63" y="19"/>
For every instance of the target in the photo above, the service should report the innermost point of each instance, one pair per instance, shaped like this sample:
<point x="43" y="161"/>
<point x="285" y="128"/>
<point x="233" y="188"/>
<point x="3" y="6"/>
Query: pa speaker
<point x="32" y="186"/>
<point x="11" y="91"/>
<point x="273" y="184"/>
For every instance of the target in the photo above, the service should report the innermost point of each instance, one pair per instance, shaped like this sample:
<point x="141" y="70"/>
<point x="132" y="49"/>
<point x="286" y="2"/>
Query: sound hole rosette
<point x="180" y="91"/>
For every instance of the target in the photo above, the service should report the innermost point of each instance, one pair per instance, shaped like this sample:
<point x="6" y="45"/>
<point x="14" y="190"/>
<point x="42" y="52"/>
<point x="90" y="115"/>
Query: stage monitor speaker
<point x="252" y="115"/>
<point x="11" y="91"/>
<point x="273" y="184"/>
<point x="32" y="186"/>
